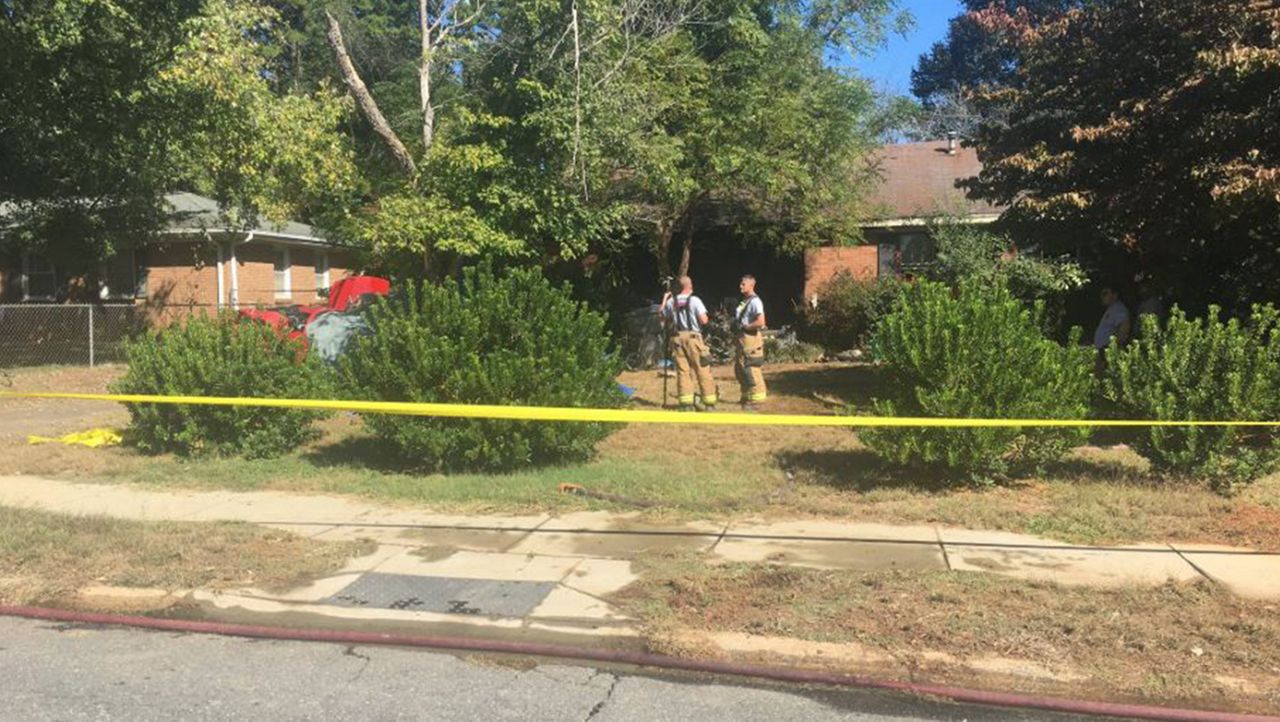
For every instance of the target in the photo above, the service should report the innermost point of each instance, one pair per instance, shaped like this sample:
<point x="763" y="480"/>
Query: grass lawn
<point x="46" y="557"/>
<point x="1180" y="643"/>
<point x="1098" y="495"/>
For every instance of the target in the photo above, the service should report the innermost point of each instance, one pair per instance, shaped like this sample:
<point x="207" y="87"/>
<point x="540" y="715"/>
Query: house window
<point x="39" y="279"/>
<point x="123" y="277"/>
<point x="284" y="280"/>
<point x="322" y="273"/>
<point x="905" y="253"/>
<point x="917" y="250"/>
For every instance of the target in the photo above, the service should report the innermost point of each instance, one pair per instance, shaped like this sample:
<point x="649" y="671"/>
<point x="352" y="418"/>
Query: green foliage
<point x="510" y="339"/>
<point x="1175" y="169"/>
<point x="975" y="352"/>
<point x="977" y="53"/>
<point x="966" y="252"/>
<point x="255" y="150"/>
<point x="111" y="104"/>
<point x="82" y="121"/>
<point x="1202" y="369"/>
<point x="789" y="349"/>
<point x="222" y="356"/>
<point x="848" y="309"/>
<point x="669" y="115"/>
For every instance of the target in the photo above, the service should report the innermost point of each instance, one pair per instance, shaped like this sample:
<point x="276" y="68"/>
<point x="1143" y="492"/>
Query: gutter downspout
<point x="235" y="278"/>
<point x="222" y="291"/>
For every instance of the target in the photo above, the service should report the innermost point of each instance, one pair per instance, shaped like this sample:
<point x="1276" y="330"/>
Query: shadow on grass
<point x="368" y="452"/>
<point x="361" y="451"/>
<point x="853" y="384"/>
<point x="1108" y="471"/>
<point x="862" y="471"/>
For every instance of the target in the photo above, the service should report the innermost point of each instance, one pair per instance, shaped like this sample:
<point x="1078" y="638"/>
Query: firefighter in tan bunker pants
<point x="748" y="352"/>
<point x="686" y="316"/>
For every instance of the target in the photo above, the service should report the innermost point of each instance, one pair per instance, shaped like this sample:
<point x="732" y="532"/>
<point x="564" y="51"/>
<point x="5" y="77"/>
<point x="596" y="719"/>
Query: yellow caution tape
<point x="93" y="438"/>
<point x="622" y="416"/>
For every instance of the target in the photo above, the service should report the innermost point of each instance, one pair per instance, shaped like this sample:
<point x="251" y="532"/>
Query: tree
<point x="589" y="125"/>
<point x="950" y="114"/>
<point x="1149" y="130"/>
<point x="739" y="118"/>
<point x="111" y="104"/>
<point x="978" y="51"/>
<point x="84" y="134"/>
<point x="257" y="151"/>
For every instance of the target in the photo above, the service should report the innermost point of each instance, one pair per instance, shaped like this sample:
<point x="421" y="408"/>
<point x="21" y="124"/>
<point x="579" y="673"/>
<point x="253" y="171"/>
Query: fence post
<point x="90" y="307"/>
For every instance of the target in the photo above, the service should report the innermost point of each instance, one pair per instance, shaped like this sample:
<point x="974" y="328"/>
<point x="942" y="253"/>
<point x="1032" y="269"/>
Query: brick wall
<point x="821" y="264"/>
<point x="182" y="278"/>
<point x="305" y="281"/>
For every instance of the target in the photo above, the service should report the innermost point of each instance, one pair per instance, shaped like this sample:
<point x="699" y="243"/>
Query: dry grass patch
<point x="46" y="557"/>
<point x="1177" y="643"/>
<point x="1099" y="495"/>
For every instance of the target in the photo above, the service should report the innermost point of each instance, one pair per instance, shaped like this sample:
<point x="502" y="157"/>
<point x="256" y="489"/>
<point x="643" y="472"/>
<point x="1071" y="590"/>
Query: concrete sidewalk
<point x="550" y="576"/>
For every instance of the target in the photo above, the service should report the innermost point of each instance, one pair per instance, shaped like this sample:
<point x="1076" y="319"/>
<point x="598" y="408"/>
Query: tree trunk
<point x="367" y="105"/>
<point x="687" y="247"/>
<point x="424" y="79"/>
<point x="665" y="231"/>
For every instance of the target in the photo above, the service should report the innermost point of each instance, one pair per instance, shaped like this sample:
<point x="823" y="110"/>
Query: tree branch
<point x="424" y="74"/>
<point x="367" y="105"/>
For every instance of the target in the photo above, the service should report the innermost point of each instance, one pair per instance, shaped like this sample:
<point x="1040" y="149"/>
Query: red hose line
<point x="641" y="659"/>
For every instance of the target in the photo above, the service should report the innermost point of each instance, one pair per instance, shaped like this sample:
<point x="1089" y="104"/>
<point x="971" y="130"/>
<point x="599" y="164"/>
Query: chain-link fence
<point x="71" y="334"/>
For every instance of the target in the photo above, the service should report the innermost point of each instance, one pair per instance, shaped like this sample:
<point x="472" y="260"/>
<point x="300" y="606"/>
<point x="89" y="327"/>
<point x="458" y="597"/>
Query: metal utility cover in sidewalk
<point x="443" y="594"/>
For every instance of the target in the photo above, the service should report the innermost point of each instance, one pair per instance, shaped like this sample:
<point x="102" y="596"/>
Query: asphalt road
<point x="71" y="673"/>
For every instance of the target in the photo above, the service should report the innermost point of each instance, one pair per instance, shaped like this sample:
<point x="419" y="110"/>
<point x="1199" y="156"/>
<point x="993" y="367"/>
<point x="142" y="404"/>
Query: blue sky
<point x="890" y="68"/>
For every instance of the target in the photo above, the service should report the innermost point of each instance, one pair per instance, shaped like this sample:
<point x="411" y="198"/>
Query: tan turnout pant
<point x="693" y="365"/>
<point x="748" y="362"/>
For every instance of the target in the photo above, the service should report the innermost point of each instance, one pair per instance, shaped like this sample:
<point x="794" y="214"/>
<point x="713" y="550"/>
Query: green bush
<point x="971" y="253"/>
<point x="966" y="252"/>
<point x="509" y="340"/>
<point x="847" y="311"/>
<point x="222" y="356"/>
<point x="975" y="352"/>
<point x="788" y="349"/>
<point x="1201" y="369"/>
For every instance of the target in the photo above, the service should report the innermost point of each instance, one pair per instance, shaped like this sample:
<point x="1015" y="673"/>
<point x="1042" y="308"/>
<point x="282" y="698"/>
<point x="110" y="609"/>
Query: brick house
<point x="917" y="185"/>
<point x="195" y="264"/>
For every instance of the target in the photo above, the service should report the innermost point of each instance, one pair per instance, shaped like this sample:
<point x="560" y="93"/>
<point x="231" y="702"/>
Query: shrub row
<point x="512" y="339"/>
<point x="973" y="350"/>
<point x="976" y="351"/>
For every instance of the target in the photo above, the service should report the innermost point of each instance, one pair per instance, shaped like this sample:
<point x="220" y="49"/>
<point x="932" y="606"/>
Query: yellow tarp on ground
<point x="93" y="438"/>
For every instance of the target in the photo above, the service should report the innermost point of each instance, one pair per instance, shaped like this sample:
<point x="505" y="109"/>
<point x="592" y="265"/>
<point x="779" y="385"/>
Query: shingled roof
<point x="918" y="180"/>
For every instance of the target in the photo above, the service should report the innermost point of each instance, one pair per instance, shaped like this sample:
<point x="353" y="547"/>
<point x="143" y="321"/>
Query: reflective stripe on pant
<point x="748" y="358"/>
<point x="689" y="350"/>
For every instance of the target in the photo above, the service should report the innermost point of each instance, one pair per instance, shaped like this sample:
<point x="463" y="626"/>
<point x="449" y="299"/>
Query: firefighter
<point x="686" y="316"/>
<point x="748" y="356"/>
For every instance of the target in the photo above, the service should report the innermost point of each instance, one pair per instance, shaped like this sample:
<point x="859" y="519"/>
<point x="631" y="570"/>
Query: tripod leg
<point x="666" y="369"/>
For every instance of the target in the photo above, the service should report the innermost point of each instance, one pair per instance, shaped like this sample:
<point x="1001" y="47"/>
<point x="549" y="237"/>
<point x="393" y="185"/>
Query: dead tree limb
<point x="426" y="28"/>
<point x="366" y="102"/>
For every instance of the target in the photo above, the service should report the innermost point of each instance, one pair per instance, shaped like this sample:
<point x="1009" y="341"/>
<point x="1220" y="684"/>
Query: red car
<point x="342" y="295"/>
